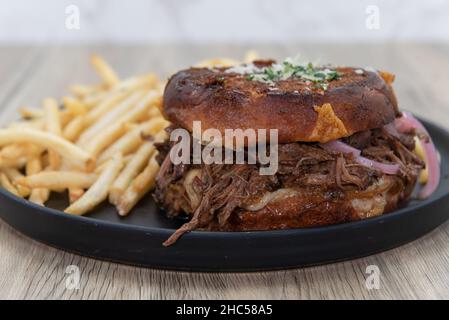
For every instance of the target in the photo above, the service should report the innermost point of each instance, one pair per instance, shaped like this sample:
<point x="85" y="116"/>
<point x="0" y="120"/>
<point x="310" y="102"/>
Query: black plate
<point x="138" y="238"/>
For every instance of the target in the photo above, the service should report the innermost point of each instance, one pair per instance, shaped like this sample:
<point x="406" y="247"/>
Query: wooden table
<point x="32" y="270"/>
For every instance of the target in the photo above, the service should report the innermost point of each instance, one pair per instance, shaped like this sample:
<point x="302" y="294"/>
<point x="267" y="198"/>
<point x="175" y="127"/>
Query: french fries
<point x="140" y="186"/>
<point x="133" y="138"/>
<point x="57" y="180"/>
<point x="31" y="113"/>
<point x="131" y="170"/>
<point x="16" y="151"/>
<point x="7" y="185"/>
<point x="74" y="106"/>
<point x="74" y="128"/>
<point x="40" y="195"/>
<point x="117" y="129"/>
<point x="111" y="116"/>
<point x="81" y="91"/>
<point x="75" y="194"/>
<point x="53" y="125"/>
<point x="90" y="143"/>
<point x="104" y="70"/>
<point x="14" y="175"/>
<point x="50" y="141"/>
<point x="217" y="62"/>
<point x="98" y="192"/>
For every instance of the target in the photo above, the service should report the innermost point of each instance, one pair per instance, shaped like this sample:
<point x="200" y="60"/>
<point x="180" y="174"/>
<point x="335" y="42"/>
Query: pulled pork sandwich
<point x="345" y="151"/>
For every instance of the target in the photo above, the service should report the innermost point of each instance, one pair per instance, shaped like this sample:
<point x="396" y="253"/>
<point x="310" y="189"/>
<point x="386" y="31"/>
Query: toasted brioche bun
<point x="222" y="100"/>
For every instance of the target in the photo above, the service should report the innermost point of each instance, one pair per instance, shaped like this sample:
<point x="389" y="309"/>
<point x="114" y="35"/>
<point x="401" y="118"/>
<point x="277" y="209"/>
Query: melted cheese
<point x="270" y="197"/>
<point x="188" y="185"/>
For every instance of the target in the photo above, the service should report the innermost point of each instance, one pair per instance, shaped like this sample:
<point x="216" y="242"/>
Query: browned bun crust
<point x="301" y="112"/>
<point x="316" y="208"/>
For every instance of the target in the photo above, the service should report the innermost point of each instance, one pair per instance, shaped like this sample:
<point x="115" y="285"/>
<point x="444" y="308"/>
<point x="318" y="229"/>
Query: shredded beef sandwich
<point x="345" y="152"/>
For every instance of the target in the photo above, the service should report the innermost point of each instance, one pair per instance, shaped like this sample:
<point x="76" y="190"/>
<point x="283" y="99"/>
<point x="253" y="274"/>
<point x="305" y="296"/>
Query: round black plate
<point x="137" y="239"/>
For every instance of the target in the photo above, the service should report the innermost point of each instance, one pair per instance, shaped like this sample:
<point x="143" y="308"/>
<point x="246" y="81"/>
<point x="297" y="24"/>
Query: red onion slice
<point x="384" y="167"/>
<point x="339" y="146"/>
<point x="407" y="123"/>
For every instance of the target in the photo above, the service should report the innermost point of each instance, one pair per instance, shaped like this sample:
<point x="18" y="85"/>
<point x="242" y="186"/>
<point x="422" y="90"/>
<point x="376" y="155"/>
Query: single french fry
<point x="104" y="70"/>
<point x="16" y="151"/>
<point x="38" y="196"/>
<point x="98" y="192"/>
<point x="64" y="148"/>
<point x="75" y="194"/>
<point x="53" y="125"/>
<point x="53" y="121"/>
<point x="74" y="128"/>
<point x="217" y="62"/>
<point x="131" y="170"/>
<point x="111" y="116"/>
<point x="141" y="82"/>
<point x="133" y="138"/>
<point x="154" y="113"/>
<point x="38" y="124"/>
<point x="419" y="150"/>
<point x="74" y="106"/>
<point x="104" y="106"/>
<point x="93" y="100"/>
<point x="58" y="180"/>
<point x="13" y="175"/>
<point x="251" y="56"/>
<point x="81" y="91"/>
<point x="140" y="186"/>
<point x="126" y="87"/>
<point x="7" y="185"/>
<point x="16" y="163"/>
<point x="31" y="113"/>
<point x="117" y="129"/>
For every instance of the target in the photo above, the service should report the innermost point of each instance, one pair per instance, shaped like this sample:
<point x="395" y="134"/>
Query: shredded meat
<point x="223" y="189"/>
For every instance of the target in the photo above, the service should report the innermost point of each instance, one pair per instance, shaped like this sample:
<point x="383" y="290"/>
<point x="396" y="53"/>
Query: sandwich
<point x="344" y="150"/>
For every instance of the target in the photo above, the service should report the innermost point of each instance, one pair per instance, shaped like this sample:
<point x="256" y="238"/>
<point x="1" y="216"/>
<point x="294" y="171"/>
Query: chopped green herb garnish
<point x="288" y="68"/>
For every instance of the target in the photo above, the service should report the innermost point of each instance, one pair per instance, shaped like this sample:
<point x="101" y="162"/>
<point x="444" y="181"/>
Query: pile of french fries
<point x="97" y="144"/>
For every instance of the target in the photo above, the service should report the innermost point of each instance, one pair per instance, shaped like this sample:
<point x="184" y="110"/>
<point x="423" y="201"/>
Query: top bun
<point x="302" y="110"/>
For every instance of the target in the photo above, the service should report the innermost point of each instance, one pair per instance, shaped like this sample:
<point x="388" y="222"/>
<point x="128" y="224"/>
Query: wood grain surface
<point x="31" y="270"/>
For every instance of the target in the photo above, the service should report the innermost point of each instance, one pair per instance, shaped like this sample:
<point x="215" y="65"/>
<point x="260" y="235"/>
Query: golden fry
<point x="58" y="180"/>
<point x="114" y="114"/>
<point x="98" y="192"/>
<point x="75" y="194"/>
<point x="14" y="175"/>
<point x="133" y="138"/>
<point x="16" y="151"/>
<point x="17" y="163"/>
<point x="104" y="70"/>
<point x="74" y="128"/>
<point x="251" y="56"/>
<point x="218" y="62"/>
<point x="81" y="91"/>
<point x="140" y="186"/>
<point x="31" y="113"/>
<point x="7" y="185"/>
<point x="53" y="125"/>
<point x="64" y="148"/>
<point x="117" y="129"/>
<point x="74" y="106"/>
<point x="131" y="170"/>
<point x="104" y="106"/>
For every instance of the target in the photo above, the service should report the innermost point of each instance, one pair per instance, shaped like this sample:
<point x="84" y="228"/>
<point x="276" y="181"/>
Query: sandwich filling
<point x="311" y="178"/>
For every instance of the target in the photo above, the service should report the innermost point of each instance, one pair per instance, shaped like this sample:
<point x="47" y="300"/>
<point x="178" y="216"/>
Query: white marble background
<point x="237" y="21"/>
